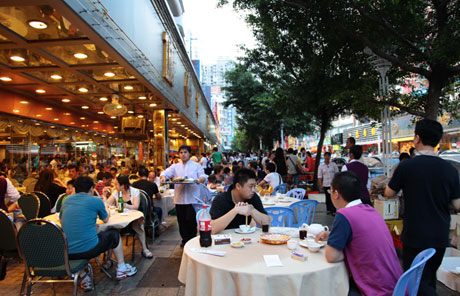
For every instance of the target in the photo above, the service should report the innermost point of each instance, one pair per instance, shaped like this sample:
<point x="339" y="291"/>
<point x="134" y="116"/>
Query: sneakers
<point x="125" y="271"/>
<point x="86" y="284"/>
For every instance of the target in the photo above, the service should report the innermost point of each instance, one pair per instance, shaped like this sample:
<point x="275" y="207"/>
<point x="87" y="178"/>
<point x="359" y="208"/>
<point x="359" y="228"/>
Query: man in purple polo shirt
<point x="360" y="169"/>
<point x="361" y="238"/>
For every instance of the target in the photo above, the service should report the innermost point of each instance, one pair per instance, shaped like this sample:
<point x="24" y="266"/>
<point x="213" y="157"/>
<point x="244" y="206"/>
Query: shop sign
<point x="337" y="139"/>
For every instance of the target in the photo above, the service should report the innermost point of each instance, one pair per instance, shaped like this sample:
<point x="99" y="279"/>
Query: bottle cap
<point x="205" y="206"/>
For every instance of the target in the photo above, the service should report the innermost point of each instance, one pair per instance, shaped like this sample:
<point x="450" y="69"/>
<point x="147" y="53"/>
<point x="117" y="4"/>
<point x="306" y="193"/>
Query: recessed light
<point x="17" y="58"/>
<point x="80" y="55"/>
<point x="40" y="91"/>
<point x="5" y="78"/>
<point x="37" y="123"/>
<point x="113" y="117"/>
<point x="38" y="24"/>
<point x="82" y="118"/>
<point x="65" y="100"/>
<point x="100" y="112"/>
<point x="38" y="115"/>
<point x="128" y="87"/>
<point x="109" y="74"/>
<point x="67" y="114"/>
<point x="72" y="122"/>
<point x="48" y="108"/>
<point x="119" y="106"/>
<point x="95" y="121"/>
<point x="15" y="110"/>
<point x="85" y="107"/>
<point x="56" y="119"/>
<point x="103" y="99"/>
<point x="24" y="102"/>
<point x="140" y="116"/>
<point x="153" y="105"/>
<point x="82" y="89"/>
<point x="142" y="98"/>
<point x="130" y="111"/>
<point x="56" y="76"/>
<point x="52" y="126"/>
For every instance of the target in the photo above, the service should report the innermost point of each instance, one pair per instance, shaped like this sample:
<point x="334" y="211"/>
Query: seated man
<point x="78" y="216"/>
<point x="229" y="208"/>
<point x="150" y="188"/>
<point x="272" y="179"/>
<point x="103" y="185"/>
<point x="361" y="238"/>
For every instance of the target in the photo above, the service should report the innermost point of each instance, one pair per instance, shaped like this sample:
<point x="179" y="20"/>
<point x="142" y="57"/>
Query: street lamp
<point x="382" y="66"/>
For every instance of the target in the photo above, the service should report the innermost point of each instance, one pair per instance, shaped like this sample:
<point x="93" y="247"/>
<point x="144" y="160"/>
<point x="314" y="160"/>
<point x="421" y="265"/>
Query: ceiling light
<point x="82" y="118"/>
<point x="103" y="99"/>
<point x="48" y="108"/>
<point x="130" y="111"/>
<point x="37" y="24"/>
<point x="153" y="105"/>
<point x="140" y="116"/>
<point x="142" y="98"/>
<point x="85" y="107"/>
<point x="100" y="112"/>
<point x="56" y="76"/>
<point x="128" y="87"/>
<point x="80" y="55"/>
<point x="72" y="122"/>
<point x="40" y="91"/>
<point x="113" y="117"/>
<point x="5" y="78"/>
<point x="38" y="115"/>
<point x="83" y="89"/>
<point x="24" y="102"/>
<point x="65" y="100"/>
<point x="17" y="58"/>
<point x="109" y="74"/>
<point x="95" y="121"/>
<point x="56" y="119"/>
<point x="67" y="114"/>
<point x="37" y="123"/>
<point x="169" y="115"/>
<point x="15" y="110"/>
<point x="119" y="106"/>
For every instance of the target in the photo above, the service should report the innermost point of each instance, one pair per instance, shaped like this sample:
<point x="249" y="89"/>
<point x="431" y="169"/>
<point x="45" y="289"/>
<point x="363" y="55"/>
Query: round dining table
<point x="242" y="271"/>
<point x="280" y="200"/>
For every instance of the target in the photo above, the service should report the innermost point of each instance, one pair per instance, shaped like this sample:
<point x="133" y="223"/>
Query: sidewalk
<point x="156" y="277"/>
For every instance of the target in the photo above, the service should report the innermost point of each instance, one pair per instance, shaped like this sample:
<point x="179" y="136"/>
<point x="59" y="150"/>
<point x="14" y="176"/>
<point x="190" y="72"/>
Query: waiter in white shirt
<point x="326" y="172"/>
<point x="185" y="194"/>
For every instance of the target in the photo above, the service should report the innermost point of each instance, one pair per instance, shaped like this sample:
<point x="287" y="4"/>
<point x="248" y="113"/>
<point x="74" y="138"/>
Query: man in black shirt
<point x="429" y="184"/>
<point x="230" y="208"/>
<point x="150" y="188"/>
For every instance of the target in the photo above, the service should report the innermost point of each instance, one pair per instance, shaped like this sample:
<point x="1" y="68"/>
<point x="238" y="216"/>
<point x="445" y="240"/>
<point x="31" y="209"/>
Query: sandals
<point x="147" y="254"/>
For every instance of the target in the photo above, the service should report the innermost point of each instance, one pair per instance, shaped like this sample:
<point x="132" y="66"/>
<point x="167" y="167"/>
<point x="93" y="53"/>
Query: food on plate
<point x="246" y="240"/>
<point x="237" y="244"/>
<point x="274" y="238"/>
<point x="178" y="179"/>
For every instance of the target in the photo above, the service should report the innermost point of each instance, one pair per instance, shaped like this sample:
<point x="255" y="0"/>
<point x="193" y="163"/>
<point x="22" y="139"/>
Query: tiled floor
<point x="167" y="253"/>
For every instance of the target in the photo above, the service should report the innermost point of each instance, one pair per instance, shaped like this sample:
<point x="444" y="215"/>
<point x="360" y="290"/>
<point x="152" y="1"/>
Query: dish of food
<point x="251" y="230"/>
<point x="311" y="243"/>
<point x="274" y="238"/>
<point x="237" y="244"/>
<point x="246" y="240"/>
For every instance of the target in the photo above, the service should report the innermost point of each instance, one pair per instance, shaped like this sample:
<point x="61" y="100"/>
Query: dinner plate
<point x="252" y="230"/>
<point x="293" y="232"/>
<point x="268" y="203"/>
<point x="304" y="243"/>
<point x="284" y="200"/>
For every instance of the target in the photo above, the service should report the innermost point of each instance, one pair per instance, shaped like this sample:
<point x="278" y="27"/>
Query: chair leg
<point x="91" y="274"/>
<point x="133" y="255"/>
<point x="4" y="263"/>
<point x="54" y="287"/>
<point x="29" y="287"/>
<point x="75" y="284"/>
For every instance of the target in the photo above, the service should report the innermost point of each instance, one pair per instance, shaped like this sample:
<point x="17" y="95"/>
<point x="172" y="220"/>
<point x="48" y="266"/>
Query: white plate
<point x="268" y="203"/>
<point x="285" y="200"/>
<point x="252" y="230"/>
<point x="304" y="243"/>
<point x="237" y="244"/>
<point x="286" y="230"/>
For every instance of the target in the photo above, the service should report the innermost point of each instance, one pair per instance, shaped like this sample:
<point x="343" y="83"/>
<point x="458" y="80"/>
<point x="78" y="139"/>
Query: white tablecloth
<point x="166" y="203"/>
<point x="280" y="201"/>
<point x="117" y="221"/>
<point x="243" y="271"/>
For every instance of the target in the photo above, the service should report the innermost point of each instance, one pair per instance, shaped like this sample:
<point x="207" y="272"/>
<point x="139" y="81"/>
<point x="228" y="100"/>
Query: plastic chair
<point x="43" y="247"/>
<point x="45" y="204"/>
<point x="29" y="204"/>
<point x="280" y="189"/>
<point x="59" y="202"/>
<point x="282" y="217"/>
<point x="410" y="280"/>
<point x="298" y="193"/>
<point x="8" y="248"/>
<point x="304" y="211"/>
<point x="226" y="188"/>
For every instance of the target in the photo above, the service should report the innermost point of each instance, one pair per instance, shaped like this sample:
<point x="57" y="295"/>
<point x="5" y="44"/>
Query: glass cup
<point x="302" y="234"/>
<point x="265" y="227"/>
<point x="113" y="210"/>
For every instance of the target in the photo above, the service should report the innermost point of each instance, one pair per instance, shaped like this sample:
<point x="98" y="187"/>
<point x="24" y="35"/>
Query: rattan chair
<point x="29" y="204"/>
<point x="8" y="248"/>
<point x="43" y="246"/>
<point x="45" y="204"/>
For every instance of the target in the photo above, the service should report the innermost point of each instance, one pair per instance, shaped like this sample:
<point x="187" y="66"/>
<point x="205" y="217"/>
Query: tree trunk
<point x="434" y="94"/>
<point x="323" y="129"/>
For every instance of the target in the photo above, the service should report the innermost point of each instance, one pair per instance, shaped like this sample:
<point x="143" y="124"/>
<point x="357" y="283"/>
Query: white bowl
<point x="313" y="247"/>
<point x="292" y="244"/>
<point x="245" y="228"/>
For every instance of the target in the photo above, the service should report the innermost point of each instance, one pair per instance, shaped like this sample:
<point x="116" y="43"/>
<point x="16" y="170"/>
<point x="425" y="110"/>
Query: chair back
<point x="29" y="204"/>
<point x="14" y="182"/>
<point x="60" y="200"/>
<point x="43" y="246"/>
<point x="45" y="204"/>
<point x="144" y="205"/>
<point x="304" y="211"/>
<point x="8" y="231"/>
<point x="280" y="189"/>
<point x="30" y="185"/>
<point x="298" y="193"/>
<point x="410" y="280"/>
<point x="282" y="217"/>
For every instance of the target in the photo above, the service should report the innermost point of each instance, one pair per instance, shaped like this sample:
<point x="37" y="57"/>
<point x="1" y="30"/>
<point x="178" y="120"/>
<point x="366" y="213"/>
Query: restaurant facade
<point x="100" y="78"/>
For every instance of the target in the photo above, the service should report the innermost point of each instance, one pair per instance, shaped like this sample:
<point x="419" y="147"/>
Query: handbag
<point x="297" y="169"/>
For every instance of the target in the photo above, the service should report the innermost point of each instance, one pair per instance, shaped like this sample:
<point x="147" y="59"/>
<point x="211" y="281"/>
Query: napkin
<point x="209" y="252"/>
<point x="123" y="214"/>
<point x="272" y="260"/>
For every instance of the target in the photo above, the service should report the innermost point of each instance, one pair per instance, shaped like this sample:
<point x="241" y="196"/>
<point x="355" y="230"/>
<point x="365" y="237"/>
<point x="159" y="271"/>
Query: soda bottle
<point x="205" y="228"/>
<point x="121" y="203"/>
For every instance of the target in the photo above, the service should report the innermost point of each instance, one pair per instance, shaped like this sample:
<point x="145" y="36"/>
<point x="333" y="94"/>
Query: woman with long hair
<point x="280" y="161"/>
<point x="131" y="199"/>
<point x="48" y="186"/>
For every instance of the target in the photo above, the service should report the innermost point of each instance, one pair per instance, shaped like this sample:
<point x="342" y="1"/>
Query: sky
<point x="219" y="31"/>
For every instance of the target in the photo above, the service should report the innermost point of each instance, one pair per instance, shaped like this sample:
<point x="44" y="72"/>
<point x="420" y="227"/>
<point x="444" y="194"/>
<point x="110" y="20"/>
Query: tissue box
<point x="389" y="209"/>
<point x="222" y="239"/>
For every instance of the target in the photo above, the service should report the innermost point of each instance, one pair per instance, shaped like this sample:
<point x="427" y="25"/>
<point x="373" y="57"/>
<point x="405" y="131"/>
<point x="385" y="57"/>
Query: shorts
<point x="108" y="240"/>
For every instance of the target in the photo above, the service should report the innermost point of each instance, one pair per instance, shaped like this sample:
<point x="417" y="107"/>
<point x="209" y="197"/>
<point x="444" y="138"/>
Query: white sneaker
<point x="127" y="270"/>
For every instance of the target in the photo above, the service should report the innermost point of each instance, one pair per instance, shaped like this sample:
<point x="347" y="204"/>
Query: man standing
<point x="216" y="157"/>
<point x="78" y="215"/>
<point x="185" y="194"/>
<point x="230" y="208"/>
<point x="360" y="169"/>
<point x="429" y="184"/>
<point x="292" y="161"/>
<point x="326" y="172"/>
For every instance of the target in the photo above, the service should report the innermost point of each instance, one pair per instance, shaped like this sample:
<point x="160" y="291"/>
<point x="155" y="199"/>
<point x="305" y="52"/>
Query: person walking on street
<point x="186" y="194"/>
<point x="216" y="157"/>
<point x="360" y="169"/>
<point x="429" y="184"/>
<point x="326" y="172"/>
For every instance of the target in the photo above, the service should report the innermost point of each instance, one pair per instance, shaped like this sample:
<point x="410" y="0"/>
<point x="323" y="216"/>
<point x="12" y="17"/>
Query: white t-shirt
<point x="273" y="179"/>
<point x="204" y="162"/>
<point x="326" y="172"/>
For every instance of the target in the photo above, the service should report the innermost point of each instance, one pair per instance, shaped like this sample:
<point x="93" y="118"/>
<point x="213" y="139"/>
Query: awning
<point x="405" y="139"/>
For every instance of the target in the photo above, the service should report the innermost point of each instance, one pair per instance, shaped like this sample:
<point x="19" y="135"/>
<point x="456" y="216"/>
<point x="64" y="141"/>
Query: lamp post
<point x="382" y="66"/>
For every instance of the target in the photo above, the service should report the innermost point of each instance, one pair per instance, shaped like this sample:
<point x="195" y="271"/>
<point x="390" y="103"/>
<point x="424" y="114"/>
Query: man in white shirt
<point x="203" y="161"/>
<point x="185" y="194"/>
<point x="326" y="172"/>
<point x="272" y="178"/>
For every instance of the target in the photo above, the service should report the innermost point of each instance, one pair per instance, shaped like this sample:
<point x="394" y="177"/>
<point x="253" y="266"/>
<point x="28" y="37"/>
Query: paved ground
<point x="157" y="276"/>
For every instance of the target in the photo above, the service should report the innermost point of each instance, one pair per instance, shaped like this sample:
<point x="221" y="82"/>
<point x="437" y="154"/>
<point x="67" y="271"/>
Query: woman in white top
<point x="272" y="178"/>
<point x="131" y="199"/>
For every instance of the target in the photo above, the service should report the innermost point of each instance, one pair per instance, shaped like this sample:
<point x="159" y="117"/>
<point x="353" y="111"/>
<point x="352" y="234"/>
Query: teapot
<point x="314" y="229"/>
